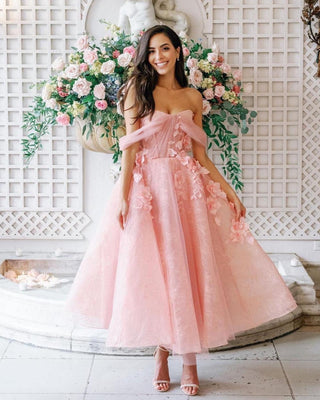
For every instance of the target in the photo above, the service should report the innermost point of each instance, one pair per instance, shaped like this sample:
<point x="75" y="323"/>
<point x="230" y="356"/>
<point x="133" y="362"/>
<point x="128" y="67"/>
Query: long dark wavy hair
<point x="144" y="78"/>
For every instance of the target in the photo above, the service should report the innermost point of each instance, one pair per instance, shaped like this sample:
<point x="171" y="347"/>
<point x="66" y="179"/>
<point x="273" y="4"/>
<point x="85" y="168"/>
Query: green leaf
<point x="231" y="120"/>
<point x="253" y="114"/>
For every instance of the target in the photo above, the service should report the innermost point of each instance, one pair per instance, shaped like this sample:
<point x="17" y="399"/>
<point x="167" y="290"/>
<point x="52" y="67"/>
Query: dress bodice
<point x="165" y="135"/>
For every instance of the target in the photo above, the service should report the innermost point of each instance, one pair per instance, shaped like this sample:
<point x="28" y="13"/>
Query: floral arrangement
<point x="27" y="279"/>
<point x="86" y="88"/>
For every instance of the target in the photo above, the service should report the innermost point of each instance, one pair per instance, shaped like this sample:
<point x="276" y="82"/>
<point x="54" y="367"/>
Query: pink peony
<point x="237" y="75"/>
<point x="82" y="87"/>
<point x="192" y="63"/>
<point x="212" y="57"/>
<point x="130" y="50"/>
<point x="82" y="42"/>
<point x="206" y="107"/>
<point x="124" y="59"/>
<point x="108" y="67"/>
<point x="90" y="56"/>
<point x="99" y="91"/>
<point x="219" y="90"/>
<point x="186" y="51"/>
<point x="208" y="94"/>
<point x="116" y="54"/>
<point x="84" y="67"/>
<point x="63" y="119"/>
<point x="196" y="77"/>
<point x="101" y="104"/>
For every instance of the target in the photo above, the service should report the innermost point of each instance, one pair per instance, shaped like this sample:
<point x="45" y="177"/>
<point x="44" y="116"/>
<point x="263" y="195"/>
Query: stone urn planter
<point x="95" y="142"/>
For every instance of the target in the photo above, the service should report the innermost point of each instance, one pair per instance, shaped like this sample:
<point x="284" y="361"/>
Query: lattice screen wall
<point x="280" y="156"/>
<point x="45" y="200"/>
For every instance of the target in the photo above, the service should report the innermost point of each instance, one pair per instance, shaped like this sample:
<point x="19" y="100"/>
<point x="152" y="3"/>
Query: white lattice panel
<point x="34" y="33"/>
<point x="264" y="38"/>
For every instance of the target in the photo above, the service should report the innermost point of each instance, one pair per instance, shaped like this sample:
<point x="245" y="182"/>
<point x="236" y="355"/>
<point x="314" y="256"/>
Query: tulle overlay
<point x="183" y="273"/>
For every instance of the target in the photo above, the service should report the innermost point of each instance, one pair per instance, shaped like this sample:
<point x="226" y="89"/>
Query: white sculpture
<point x="165" y="10"/>
<point x="136" y="15"/>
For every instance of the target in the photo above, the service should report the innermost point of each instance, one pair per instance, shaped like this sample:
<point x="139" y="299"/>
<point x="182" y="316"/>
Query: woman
<point x="176" y="266"/>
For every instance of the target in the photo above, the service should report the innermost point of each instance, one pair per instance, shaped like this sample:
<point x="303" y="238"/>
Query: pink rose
<point x="82" y="87"/>
<point x="212" y="57"/>
<point x="101" y="104"/>
<point x="90" y="56"/>
<point x="237" y="75"/>
<point x="226" y="68"/>
<point x="186" y="51"/>
<point x="99" y="91"/>
<point x="192" y="63"/>
<point x="208" y="94"/>
<point x="196" y="77"/>
<point x="63" y="119"/>
<point x="116" y="54"/>
<point x="82" y="42"/>
<point x="124" y="59"/>
<point x="206" y="107"/>
<point x="219" y="90"/>
<point x="130" y="50"/>
<point x="83" y="67"/>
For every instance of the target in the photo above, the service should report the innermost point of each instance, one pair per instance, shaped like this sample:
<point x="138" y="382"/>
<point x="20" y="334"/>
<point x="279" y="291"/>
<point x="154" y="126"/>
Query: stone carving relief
<point x="135" y="15"/>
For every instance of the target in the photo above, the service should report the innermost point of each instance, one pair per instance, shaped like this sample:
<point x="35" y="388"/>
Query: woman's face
<point x="162" y="55"/>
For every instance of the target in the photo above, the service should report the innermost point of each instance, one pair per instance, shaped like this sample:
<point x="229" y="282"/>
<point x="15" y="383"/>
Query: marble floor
<point x="284" y="368"/>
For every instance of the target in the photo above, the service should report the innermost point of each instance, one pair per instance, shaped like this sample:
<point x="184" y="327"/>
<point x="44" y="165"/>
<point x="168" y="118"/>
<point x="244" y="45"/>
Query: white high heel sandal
<point x="156" y="382"/>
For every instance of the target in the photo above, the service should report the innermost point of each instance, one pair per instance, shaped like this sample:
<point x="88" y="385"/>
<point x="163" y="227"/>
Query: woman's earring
<point x="178" y="59"/>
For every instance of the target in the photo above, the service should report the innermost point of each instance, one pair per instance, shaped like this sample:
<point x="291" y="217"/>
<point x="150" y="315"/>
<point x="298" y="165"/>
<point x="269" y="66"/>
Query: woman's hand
<point x="239" y="208"/>
<point x="123" y="213"/>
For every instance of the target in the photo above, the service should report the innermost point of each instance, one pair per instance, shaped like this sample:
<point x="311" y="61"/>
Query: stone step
<point x="36" y="316"/>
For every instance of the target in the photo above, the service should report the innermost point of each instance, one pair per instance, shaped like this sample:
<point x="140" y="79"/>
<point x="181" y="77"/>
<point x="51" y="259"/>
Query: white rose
<point x="82" y="87"/>
<point x="46" y="91"/>
<point x="124" y="59"/>
<point x="99" y="91"/>
<point x="72" y="71"/>
<point x="52" y="103"/>
<point x="82" y="42"/>
<point x="212" y="57"/>
<point x="108" y="67"/>
<point x="58" y="64"/>
<point x="206" y="107"/>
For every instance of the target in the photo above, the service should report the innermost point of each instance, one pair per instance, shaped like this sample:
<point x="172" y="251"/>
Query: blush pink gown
<point x="182" y="273"/>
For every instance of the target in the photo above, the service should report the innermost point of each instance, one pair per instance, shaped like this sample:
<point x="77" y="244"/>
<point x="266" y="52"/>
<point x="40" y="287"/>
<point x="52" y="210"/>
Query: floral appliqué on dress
<point x="178" y="148"/>
<point x="143" y="199"/>
<point x="214" y="199"/>
<point x="240" y="232"/>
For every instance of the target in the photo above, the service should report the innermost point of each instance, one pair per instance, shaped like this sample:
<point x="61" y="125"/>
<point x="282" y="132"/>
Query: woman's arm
<point x="199" y="152"/>
<point x="128" y="157"/>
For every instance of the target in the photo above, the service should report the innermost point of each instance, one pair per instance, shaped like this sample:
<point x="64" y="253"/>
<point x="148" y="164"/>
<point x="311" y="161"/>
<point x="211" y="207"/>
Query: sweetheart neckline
<point x="163" y="112"/>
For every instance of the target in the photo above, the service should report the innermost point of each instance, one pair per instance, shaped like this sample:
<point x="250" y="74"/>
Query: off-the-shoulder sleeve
<point x="141" y="133"/>
<point x="194" y="131"/>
